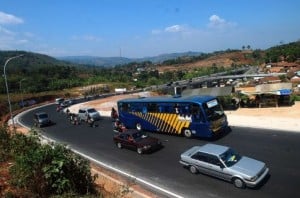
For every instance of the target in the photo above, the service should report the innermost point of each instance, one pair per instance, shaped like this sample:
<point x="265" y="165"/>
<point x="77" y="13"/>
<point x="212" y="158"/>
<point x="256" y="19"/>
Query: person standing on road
<point x="90" y="121"/>
<point x="114" y="114"/>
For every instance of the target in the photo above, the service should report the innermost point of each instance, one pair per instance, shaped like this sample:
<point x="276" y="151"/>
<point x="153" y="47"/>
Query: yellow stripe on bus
<point x="165" y="122"/>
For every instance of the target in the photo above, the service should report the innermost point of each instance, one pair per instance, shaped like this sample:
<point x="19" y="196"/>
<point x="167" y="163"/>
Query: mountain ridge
<point x="113" y="61"/>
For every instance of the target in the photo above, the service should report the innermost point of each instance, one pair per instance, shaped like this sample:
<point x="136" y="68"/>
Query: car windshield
<point x="43" y="116"/>
<point x="138" y="136"/>
<point x="230" y="157"/>
<point x="91" y="110"/>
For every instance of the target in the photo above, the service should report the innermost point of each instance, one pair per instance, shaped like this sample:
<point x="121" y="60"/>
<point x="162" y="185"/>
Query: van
<point x="92" y="112"/>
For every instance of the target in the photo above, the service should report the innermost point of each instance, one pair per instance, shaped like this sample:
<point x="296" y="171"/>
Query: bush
<point x="5" y="140"/>
<point x="294" y="98"/>
<point x="45" y="170"/>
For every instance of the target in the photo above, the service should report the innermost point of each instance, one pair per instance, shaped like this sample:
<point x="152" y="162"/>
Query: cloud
<point x="156" y="31"/>
<point x="217" y="22"/>
<point x="170" y="29"/>
<point x="4" y="31"/>
<point x="174" y="28"/>
<point x="9" y="19"/>
<point x="86" y="38"/>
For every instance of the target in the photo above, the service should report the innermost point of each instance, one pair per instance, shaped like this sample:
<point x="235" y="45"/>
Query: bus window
<point x="176" y="108"/>
<point x="196" y="113"/>
<point x="124" y="107"/>
<point x="152" y="107"/>
<point x="160" y="109"/>
<point x="144" y="109"/>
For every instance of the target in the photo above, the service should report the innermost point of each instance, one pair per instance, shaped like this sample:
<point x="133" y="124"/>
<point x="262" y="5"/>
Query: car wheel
<point x="138" y="126"/>
<point x="139" y="150"/>
<point x="119" y="145"/>
<point x="193" y="169"/>
<point x="187" y="133"/>
<point x="238" y="183"/>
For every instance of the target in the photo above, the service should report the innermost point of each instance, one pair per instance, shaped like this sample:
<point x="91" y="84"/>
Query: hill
<point x="113" y="61"/>
<point x="96" y="61"/>
<point x="30" y="61"/>
<point x="224" y="59"/>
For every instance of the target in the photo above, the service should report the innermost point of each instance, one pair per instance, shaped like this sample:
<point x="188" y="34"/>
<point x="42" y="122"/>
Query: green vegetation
<point x="288" y="52"/>
<point x="44" y="170"/>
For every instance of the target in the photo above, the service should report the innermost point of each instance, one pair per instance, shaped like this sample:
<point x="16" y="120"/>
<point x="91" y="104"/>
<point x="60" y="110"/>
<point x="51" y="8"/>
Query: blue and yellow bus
<point x="199" y="116"/>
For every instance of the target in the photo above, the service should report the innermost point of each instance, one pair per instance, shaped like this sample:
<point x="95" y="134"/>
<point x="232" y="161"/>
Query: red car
<point x="136" y="140"/>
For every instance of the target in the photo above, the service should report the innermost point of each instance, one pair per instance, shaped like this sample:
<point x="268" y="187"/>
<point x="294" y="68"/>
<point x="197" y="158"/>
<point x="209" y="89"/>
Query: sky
<point x="143" y="28"/>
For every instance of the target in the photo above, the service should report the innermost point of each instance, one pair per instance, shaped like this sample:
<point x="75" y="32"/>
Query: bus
<point x="193" y="116"/>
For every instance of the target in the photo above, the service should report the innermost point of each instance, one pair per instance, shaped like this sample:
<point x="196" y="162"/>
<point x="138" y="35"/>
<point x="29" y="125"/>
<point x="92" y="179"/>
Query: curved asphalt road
<point x="280" y="151"/>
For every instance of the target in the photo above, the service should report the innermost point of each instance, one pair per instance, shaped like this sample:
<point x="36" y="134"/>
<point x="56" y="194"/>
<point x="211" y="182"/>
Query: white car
<point x="223" y="162"/>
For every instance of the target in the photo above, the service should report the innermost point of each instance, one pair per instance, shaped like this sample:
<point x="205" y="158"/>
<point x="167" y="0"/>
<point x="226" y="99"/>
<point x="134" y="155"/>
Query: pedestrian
<point x="68" y="111"/>
<point x="90" y="121"/>
<point x="113" y="114"/>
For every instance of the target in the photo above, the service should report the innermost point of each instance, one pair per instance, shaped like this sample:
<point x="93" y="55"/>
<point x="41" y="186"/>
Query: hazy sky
<point x="140" y="28"/>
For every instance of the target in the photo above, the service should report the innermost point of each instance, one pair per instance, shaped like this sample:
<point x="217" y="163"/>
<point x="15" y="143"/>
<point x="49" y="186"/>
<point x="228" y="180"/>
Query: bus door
<point x="199" y="126"/>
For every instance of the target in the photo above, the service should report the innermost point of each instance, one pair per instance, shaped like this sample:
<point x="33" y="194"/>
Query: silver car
<point x="85" y="112"/>
<point x="224" y="163"/>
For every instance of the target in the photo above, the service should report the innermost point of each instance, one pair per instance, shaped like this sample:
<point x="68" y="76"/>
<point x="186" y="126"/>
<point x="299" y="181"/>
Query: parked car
<point x="67" y="103"/>
<point x="137" y="140"/>
<point x="58" y="101"/>
<point x="41" y="119"/>
<point x="91" y="112"/>
<point x="223" y="162"/>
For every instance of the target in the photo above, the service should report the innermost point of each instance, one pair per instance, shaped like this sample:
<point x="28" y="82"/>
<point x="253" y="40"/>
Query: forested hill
<point x="289" y="52"/>
<point x="44" y="73"/>
<point x="113" y="61"/>
<point x="30" y="61"/>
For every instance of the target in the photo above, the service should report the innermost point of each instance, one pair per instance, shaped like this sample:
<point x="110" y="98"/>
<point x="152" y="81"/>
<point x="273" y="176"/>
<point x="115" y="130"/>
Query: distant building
<point x="269" y="79"/>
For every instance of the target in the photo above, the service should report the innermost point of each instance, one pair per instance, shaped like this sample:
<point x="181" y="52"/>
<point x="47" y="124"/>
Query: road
<point x="278" y="149"/>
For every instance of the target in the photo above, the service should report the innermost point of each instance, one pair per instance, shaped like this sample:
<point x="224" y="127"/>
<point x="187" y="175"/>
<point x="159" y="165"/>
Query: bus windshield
<point x="213" y="110"/>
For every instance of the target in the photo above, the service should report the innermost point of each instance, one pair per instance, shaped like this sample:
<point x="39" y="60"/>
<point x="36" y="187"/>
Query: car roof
<point x="40" y="113"/>
<point x="214" y="149"/>
<point x="86" y="108"/>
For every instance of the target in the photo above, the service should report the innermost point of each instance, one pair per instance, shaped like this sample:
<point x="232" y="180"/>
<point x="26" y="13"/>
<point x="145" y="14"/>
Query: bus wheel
<point x="187" y="133"/>
<point x="138" y="126"/>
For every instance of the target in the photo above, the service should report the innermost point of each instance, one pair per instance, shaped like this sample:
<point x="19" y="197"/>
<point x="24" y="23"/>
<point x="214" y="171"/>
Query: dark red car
<point x="136" y="140"/>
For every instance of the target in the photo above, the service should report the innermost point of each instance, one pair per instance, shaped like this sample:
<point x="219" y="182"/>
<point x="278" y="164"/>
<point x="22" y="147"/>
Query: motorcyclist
<point x="119" y="126"/>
